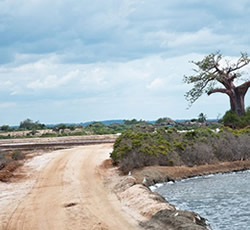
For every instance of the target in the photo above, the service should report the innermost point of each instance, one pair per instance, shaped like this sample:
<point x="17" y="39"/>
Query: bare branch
<point x="244" y="87"/>
<point x="235" y="75"/>
<point x="242" y="61"/>
<point x="218" y="90"/>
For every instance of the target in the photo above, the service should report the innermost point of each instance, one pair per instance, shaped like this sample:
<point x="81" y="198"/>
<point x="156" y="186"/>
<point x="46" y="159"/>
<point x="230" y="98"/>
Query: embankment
<point x="159" y="174"/>
<point x="150" y="209"/>
<point x="157" y="212"/>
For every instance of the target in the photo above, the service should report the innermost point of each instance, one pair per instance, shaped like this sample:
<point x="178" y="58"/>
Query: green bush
<point x="231" y="119"/>
<point x="135" y="149"/>
<point x="3" y="161"/>
<point x="5" y="128"/>
<point x="49" y="135"/>
<point x="17" y="155"/>
<point x="28" y="124"/>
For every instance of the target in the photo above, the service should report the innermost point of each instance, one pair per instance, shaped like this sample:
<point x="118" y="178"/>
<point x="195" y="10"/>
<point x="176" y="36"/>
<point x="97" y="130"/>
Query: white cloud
<point x="53" y="81"/>
<point x="6" y="105"/>
<point x="156" y="84"/>
<point x="202" y="37"/>
<point x="132" y="51"/>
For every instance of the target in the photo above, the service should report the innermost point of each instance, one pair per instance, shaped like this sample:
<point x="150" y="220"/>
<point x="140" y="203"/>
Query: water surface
<point x="223" y="199"/>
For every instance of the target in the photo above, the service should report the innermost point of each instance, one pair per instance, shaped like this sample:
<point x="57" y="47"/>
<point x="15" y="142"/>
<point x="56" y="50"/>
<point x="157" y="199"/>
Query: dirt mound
<point x="8" y="171"/>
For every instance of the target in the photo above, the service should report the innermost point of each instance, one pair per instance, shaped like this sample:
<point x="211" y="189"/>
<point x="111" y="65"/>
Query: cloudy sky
<point x="82" y="60"/>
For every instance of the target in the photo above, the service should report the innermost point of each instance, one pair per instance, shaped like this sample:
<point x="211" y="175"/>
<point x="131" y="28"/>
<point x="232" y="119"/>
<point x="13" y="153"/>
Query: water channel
<point x="223" y="199"/>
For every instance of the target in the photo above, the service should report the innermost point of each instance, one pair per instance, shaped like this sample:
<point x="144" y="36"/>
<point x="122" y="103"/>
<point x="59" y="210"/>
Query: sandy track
<point x="69" y="194"/>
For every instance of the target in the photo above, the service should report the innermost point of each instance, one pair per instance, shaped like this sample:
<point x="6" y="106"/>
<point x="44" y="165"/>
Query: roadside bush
<point x="167" y="147"/>
<point x="5" y="128"/>
<point x="49" y="135"/>
<point x="28" y="124"/>
<point x="197" y="154"/>
<point x="135" y="149"/>
<point x="3" y="161"/>
<point x="17" y="155"/>
<point x="5" y="137"/>
<point x="231" y="119"/>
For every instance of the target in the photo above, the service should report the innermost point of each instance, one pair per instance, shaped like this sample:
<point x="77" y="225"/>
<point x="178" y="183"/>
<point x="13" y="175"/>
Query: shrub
<point x="135" y="149"/>
<point x="231" y="119"/>
<point x="49" y="135"/>
<point x="3" y="161"/>
<point x="28" y="124"/>
<point x="17" y="155"/>
<point x="5" y="128"/>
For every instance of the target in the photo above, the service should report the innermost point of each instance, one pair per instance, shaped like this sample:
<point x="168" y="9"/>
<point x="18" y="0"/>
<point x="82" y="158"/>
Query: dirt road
<point x="69" y="194"/>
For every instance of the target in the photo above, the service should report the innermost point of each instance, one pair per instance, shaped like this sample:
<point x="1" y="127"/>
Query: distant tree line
<point x="230" y="119"/>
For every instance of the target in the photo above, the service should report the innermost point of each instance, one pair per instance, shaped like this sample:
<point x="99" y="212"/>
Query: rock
<point x="124" y="184"/>
<point x="175" y="220"/>
<point x="145" y="202"/>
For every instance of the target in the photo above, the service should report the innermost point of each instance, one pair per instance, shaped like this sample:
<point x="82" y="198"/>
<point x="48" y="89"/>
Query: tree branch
<point x="218" y="70"/>
<point x="233" y="77"/>
<point x="242" y="61"/>
<point x="244" y="87"/>
<point x="218" y="90"/>
<point x="210" y="71"/>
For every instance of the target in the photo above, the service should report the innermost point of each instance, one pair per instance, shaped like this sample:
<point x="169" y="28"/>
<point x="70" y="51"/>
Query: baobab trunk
<point x="237" y="101"/>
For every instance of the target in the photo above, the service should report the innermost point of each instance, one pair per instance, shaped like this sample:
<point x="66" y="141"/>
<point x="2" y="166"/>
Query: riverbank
<point x="150" y="209"/>
<point x="160" y="174"/>
<point x="132" y="190"/>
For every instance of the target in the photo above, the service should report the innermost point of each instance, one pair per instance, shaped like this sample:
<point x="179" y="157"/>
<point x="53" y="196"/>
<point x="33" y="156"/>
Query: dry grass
<point x="7" y="172"/>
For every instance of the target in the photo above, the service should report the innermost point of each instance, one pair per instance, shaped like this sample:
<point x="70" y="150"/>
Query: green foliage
<point x="202" y="118"/>
<point x="49" y="135"/>
<point x="144" y="143"/>
<point x="3" y="161"/>
<point x="5" y="137"/>
<point x="59" y="127"/>
<point x="98" y="128"/>
<point x="28" y="124"/>
<point x="205" y="78"/>
<point x="135" y="148"/>
<point x="5" y="128"/>
<point x="231" y="119"/>
<point x="164" y="121"/>
<point x="209" y="72"/>
<point x="180" y="145"/>
<point x="78" y="133"/>
<point x="133" y="122"/>
<point x="17" y="155"/>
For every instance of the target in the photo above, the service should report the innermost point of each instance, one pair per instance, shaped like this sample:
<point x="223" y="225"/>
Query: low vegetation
<point x="9" y="162"/>
<point x="231" y="119"/>
<point x="168" y="147"/>
<point x="29" y="128"/>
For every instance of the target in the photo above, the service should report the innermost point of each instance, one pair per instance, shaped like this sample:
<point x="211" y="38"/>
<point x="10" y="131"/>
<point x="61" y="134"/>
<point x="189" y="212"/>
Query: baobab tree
<point x="212" y="71"/>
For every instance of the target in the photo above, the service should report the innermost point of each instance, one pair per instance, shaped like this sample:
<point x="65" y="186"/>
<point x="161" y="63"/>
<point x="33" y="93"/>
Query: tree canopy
<point x="215" y="74"/>
<point x="28" y="124"/>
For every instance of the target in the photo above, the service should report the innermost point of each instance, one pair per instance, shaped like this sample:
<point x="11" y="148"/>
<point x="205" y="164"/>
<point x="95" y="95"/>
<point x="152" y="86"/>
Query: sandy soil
<point x="64" y="190"/>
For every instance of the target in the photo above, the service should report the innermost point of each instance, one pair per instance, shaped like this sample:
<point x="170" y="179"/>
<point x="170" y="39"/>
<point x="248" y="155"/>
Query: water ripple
<point x="224" y="199"/>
